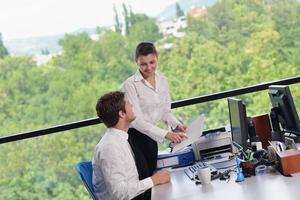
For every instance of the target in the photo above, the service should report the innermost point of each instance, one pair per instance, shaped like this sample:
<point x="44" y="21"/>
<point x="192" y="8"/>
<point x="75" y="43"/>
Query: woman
<point x="148" y="92"/>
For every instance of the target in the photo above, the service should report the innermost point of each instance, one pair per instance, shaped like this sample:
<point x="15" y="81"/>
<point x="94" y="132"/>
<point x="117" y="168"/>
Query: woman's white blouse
<point x="150" y="105"/>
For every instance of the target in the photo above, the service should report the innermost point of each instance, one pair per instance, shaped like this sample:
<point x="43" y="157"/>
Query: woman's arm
<point x="142" y="125"/>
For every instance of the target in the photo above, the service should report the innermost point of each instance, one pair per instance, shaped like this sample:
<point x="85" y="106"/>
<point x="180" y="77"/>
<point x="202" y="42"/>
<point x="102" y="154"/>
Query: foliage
<point x="3" y="50"/>
<point x="118" y="26"/>
<point x="179" y="11"/>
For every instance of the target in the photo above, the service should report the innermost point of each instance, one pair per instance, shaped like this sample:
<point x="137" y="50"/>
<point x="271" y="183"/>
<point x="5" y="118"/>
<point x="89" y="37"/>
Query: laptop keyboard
<point x="192" y="169"/>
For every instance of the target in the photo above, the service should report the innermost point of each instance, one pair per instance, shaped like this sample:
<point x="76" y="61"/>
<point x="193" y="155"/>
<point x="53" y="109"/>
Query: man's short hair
<point x="145" y="48"/>
<point x="108" y="107"/>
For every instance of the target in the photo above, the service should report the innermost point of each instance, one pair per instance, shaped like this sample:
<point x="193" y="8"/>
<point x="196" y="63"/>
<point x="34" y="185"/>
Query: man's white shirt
<point x="115" y="175"/>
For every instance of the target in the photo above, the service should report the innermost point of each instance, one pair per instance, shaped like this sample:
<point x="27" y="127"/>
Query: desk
<point x="265" y="187"/>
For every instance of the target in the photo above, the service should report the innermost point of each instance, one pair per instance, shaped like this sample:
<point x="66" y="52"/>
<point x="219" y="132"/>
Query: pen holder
<point x="248" y="169"/>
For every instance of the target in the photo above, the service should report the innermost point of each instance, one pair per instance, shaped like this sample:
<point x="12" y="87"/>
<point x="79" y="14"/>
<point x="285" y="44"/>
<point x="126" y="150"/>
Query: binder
<point x="178" y="159"/>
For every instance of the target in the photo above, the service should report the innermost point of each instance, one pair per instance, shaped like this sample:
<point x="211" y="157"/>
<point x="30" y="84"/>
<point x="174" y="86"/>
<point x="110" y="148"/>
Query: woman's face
<point x="147" y="64"/>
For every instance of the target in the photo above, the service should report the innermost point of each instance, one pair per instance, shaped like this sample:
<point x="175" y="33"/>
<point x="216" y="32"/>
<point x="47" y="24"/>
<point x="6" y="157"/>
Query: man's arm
<point x="161" y="177"/>
<point x="117" y="178"/>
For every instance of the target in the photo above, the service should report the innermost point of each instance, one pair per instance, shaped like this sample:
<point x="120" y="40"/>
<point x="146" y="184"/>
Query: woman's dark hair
<point x="108" y="107"/>
<point x="145" y="48"/>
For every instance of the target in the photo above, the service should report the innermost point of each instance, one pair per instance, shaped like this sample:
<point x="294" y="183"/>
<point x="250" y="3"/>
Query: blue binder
<point x="182" y="158"/>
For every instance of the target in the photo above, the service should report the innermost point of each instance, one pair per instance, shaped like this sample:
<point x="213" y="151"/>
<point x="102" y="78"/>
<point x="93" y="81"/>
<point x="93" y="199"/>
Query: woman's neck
<point x="151" y="80"/>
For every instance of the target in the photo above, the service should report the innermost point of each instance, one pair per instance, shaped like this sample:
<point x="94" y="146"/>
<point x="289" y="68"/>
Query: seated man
<point x="115" y="174"/>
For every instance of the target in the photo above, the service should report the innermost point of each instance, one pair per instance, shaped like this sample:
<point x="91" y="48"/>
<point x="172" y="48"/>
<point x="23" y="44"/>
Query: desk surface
<point x="269" y="186"/>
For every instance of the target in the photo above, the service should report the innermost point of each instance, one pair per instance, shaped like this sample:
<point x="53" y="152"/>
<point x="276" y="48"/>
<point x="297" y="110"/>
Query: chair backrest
<point x="85" y="170"/>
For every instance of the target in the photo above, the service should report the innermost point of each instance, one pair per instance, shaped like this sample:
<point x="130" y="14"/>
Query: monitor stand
<point x="277" y="136"/>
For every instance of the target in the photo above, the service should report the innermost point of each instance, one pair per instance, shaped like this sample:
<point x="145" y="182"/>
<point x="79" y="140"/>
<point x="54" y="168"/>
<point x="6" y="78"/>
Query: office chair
<point x="85" y="170"/>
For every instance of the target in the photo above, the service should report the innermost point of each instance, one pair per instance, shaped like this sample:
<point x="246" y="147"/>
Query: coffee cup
<point x="204" y="175"/>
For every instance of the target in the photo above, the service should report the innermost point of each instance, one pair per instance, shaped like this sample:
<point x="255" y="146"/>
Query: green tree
<point x="145" y="29"/>
<point x="3" y="50"/>
<point x="45" y="51"/>
<point x="179" y="11"/>
<point x="118" y="26"/>
<point x="126" y="16"/>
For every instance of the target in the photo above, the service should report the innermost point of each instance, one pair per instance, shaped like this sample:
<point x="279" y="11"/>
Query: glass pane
<point x="58" y="57"/>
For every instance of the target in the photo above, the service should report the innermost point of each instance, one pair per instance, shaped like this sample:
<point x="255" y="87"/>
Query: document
<point x="194" y="131"/>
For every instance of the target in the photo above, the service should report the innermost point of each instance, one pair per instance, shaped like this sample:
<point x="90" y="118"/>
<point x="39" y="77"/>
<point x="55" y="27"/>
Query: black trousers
<point x="145" y="156"/>
<point x="147" y="146"/>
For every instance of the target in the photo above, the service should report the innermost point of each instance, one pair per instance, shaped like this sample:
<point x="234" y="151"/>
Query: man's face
<point x="130" y="116"/>
<point x="147" y="64"/>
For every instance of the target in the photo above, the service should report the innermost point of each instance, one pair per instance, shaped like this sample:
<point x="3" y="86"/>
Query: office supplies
<point x="182" y="158"/>
<point x="194" y="131"/>
<point x="248" y="168"/>
<point x="271" y="186"/>
<point x="225" y="164"/>
<point x="225" y="176"/>
<point x="289" y="161"/>
<point x="218" y="158"/>
<point x="240" y="176"/>
<point x="263" y="128"/>
<point x="212" y="144"/>
<point x="279" y="146"/>
<point x="272" y="145"/>
<point x="290" y="143"/>
<point x="190" y="171"/>
<point x="260" y="169"/>
<point x="271" y="153"/>
<point x="256" y="146"/>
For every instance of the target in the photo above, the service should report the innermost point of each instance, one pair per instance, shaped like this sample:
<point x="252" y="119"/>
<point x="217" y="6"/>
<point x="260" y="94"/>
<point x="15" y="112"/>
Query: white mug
<point x="204" y="175"/>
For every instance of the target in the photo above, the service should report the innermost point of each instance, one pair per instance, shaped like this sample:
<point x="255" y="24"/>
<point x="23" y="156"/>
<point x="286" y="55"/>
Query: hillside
<point x="35" y="45"/>
<point x="185" y="5"/>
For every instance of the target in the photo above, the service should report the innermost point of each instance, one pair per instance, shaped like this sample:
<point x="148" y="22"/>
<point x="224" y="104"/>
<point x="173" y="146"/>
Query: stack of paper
<point x="194" y="131"/>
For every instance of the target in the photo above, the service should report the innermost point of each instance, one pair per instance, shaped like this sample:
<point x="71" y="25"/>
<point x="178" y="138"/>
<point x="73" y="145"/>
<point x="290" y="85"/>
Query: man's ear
<point x="121" y="114"/>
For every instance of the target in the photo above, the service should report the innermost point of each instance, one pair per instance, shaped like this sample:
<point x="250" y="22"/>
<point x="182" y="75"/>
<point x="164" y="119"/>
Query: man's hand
<point x="176" y="137"/>
<point x="180" y="128"/>
<point x="161" y="177"/>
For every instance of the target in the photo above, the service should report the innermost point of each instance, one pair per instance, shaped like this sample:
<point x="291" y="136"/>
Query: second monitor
<point x="238" y="122"/>
<point x="283" y="115"/>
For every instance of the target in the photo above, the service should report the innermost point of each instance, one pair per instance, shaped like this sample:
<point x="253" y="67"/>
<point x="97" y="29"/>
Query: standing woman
<point x="148" y="92"/>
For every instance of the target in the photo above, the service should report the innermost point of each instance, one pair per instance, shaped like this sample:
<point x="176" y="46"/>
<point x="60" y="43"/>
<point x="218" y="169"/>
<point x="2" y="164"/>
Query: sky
<point x="28" y="18"/>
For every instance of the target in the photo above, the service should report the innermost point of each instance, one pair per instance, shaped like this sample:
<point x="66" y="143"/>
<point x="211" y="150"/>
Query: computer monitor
<point x="283" y="110"/>
<point x="238" y="122"/>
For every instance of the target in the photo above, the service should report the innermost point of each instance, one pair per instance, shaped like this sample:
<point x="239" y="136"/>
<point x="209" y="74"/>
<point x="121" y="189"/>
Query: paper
<point x="194" y="131"/>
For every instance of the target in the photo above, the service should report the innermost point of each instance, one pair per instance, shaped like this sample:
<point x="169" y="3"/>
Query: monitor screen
<point x="238" y="121"/>
<point x="284" y="107"/>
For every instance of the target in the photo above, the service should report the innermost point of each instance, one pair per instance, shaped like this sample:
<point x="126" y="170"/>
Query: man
<point x="115" y="174"/>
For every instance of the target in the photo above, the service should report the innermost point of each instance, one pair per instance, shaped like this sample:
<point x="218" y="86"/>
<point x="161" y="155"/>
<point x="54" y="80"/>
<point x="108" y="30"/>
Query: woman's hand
<point x="176" y="137"/>
<point x="180" y="128"/>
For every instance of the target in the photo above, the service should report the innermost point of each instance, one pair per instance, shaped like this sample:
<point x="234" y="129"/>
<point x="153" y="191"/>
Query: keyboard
<point x="192" y="169"/>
